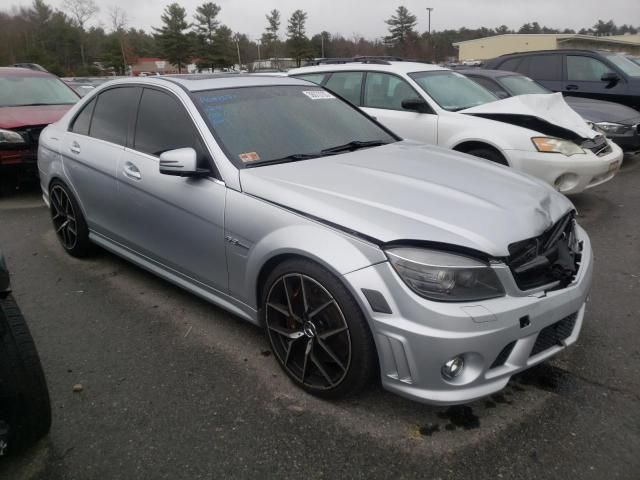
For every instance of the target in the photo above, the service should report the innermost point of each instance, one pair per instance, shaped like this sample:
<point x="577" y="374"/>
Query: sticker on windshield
<point x="249" y="157"/>
<point x="318" y="95"/>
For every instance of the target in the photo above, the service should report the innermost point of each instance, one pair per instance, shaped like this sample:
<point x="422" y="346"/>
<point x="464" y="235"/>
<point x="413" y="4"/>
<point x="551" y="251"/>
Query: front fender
<point x="277" y="232"/>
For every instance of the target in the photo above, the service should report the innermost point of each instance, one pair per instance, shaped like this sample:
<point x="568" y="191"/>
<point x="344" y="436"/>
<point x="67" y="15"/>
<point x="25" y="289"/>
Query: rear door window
<point x="545" y="67"/>
<point x="113" y="113"/>
<point x="313" y="77"/>
<point x="346" y="84"/>
<point x="83" y="120"/>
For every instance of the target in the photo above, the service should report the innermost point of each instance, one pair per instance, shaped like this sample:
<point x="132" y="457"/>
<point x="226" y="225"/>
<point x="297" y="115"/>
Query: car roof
<point x="394" y="67"/>
<point x="200" y="82"/>
<point x="23" y="72"/>
<point x="484" y="72"/>
<point x="559" y="50"/>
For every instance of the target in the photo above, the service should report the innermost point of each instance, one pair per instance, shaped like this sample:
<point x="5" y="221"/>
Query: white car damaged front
<point x="560" y="147"/>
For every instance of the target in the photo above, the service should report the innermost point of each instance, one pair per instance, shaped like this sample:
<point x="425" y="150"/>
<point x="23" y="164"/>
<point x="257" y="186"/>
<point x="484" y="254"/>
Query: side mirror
<point x="181" y="162"/>
<point x="611" y="78"/>
<point x="416" y="105"/>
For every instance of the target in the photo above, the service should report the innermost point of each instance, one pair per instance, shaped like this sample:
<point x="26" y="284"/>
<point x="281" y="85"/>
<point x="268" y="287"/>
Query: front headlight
<point x="610" y="128"/>
<point x="445" y="277"/>
<point x="9" y="137"/>
<point x="556" y="145"/>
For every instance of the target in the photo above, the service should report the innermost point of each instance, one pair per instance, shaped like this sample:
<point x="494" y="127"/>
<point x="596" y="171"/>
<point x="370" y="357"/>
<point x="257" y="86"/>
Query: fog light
<point x="452" y="368"/>
<point x="566" y="181"/>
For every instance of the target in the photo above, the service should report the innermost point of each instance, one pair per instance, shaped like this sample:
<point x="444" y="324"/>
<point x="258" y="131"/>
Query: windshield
<point x="623" y="63"/>
<point x="521" y="85"/>
<point x="451" y="90"/>
<point x="19" y="91"/>
<point x="258" y="125"/>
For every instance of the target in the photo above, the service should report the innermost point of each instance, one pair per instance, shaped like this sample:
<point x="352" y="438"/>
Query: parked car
<point x="25" y="411"/>
<point x="357" y="252"/>
<point x="619" y="122"/>
<point x="582" y="73"/>
<point x="29" y="101"/>
<point x="31" y="66"/>
<point x="84" y="85"/>
<point x="536" y="134"/>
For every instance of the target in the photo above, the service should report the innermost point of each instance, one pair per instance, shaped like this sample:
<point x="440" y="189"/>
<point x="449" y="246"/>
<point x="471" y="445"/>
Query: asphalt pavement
<point x="175" y="388"/>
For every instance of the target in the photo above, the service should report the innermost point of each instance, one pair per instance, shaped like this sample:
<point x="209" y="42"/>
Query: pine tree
<point x="401" y="27"/>
<point x="270" y="36"/>
<point x="298" y="42"/>
<point x="174" y="41"/>
<point x="205" y="27"/>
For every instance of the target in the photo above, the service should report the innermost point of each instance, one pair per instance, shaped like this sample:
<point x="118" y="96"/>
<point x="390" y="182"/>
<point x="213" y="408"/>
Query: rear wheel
<point x="317" y="330"/>
<point x="68" y="221"/>
<point x="25" y="411"/>
<point x="489" y="154"/>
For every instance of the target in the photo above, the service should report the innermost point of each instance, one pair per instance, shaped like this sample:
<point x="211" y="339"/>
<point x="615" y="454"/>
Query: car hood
<point x="549" y="110"/>
<point x="410" y="191"/>
<point x="601" y="111"/>
<point x="15" y="117"/>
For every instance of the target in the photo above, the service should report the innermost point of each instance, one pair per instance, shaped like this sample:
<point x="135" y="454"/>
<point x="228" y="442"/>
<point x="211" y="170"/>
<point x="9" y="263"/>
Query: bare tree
<point x="81" y="11"/>
<point x="119" y="21"/>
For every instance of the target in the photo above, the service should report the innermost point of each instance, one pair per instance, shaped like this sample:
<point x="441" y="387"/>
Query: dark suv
<point x="582" y="73"/>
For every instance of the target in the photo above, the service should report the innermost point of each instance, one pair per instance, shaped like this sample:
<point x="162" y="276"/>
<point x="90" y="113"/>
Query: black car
<point x="25" y="411"/>
<point x="619" y="122"/>
<point x="581" y="73"/>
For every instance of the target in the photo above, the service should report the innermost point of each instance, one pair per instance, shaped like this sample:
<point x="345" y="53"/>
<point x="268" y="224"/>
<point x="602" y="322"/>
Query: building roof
<point x="560" y="36"/>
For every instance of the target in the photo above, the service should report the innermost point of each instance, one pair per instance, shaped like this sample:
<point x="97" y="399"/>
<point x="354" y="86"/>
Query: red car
<point x="29" y="101"/>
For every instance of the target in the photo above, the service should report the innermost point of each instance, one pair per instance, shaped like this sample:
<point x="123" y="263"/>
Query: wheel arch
<point x="469" y="145"/>
<point x="333" y="250"/>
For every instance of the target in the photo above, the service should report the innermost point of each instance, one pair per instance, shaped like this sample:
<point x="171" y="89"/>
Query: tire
<point x="319" y="336"/>
<point x="25" y="413"/>
<point x="69" y="222"/>
<point x="489" y="154"/>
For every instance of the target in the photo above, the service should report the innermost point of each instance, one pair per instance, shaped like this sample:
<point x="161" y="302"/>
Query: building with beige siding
<point x="491" y="47"/>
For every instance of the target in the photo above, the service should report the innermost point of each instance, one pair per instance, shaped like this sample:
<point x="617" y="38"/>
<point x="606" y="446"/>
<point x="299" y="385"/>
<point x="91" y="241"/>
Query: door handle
<point x="75" y="147"/>
<point x="572" y="87"/>
<point x="131" y="171"/>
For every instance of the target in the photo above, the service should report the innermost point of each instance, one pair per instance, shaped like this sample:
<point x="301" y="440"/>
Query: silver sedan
<point x="359" y="253"/>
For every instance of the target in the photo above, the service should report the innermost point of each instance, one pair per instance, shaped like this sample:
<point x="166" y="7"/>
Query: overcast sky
<point x="366" y="18"/>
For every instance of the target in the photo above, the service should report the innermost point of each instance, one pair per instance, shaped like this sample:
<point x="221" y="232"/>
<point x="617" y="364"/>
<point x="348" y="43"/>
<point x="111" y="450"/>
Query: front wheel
<point x="317" y="330"/>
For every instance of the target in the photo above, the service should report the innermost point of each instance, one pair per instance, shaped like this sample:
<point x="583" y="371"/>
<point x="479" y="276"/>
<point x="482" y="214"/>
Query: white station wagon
<point x="537" y="134"/>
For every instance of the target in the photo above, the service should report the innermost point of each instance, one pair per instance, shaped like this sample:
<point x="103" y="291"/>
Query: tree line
<point x="66" y="42"/>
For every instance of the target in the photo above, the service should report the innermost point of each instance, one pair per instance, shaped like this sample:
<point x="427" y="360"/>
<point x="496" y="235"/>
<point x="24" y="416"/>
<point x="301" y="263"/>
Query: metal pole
<point x="239" y="60"/>
<point x="430" y="9"/>
<point x="322" y="43"/>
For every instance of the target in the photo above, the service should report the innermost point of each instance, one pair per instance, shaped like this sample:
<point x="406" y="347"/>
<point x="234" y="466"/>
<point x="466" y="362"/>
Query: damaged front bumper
<point x="569" y="175"/>
<point x="496" y="338"/>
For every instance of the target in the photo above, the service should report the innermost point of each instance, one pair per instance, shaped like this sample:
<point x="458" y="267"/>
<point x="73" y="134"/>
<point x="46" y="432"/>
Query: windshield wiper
<point x="289" y="158"/>
<point x="355" y="145"/>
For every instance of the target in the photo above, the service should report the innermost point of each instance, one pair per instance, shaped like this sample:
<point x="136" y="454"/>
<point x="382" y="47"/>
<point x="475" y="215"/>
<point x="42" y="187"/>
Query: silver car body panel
<point x="214" y="237"/>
